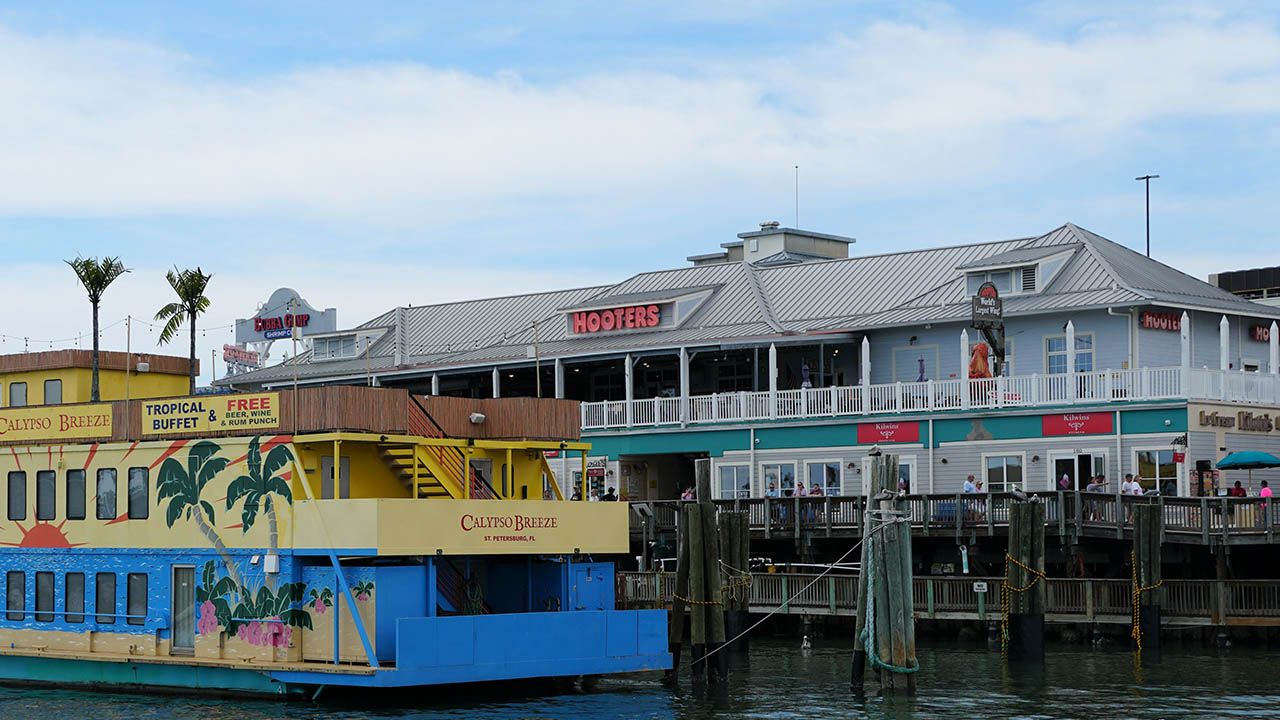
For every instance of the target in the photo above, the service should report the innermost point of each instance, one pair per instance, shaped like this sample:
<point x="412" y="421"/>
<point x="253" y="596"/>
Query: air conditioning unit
<point x="143" y="367"/>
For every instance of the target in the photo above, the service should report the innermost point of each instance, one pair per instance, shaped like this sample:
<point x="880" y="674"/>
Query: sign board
<point x="988" y="309"/>
<point x="1260" y="333"/>
<point x="979" y="586"/>
<point x="888" y="432"/>
<point x="1179" y="457"/>
<point x="55" y="422"/>
<point x="280" y="314"/>
<point x="630" y="317"/>
<point x="218" y="413"/>
<point x="1099" y="423"/>
<point x="1160" y="321"/>
<point x="240" y="356"/>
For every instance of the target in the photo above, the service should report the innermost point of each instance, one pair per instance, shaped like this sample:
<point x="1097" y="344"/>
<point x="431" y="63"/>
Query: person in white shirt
<point x="1126" y="487"/>
<point x="969" y="487"/>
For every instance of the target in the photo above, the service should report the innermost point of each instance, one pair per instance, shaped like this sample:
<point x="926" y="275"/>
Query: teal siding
<point x="987" y="428"/>
<point x="1136" y="422"/>
<point x="714" y="442"/>
<point x="68" y="672"/>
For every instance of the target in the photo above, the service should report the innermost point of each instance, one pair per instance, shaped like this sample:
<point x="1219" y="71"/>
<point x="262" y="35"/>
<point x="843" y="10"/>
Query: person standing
<point x="1265" y="490"/>
<point x="970" y="486"/>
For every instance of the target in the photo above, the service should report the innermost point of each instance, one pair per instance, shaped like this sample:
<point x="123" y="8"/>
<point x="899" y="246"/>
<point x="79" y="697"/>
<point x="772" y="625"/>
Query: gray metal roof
<point x="750" y="303"/>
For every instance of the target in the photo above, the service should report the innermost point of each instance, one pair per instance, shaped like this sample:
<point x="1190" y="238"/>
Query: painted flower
<point x="208" y="622"/>
<point x="362" y="596"/>
<point x="320" y="606"/>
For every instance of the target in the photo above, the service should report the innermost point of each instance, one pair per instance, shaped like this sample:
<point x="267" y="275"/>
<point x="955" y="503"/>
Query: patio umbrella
<point x="1248" y="460"/>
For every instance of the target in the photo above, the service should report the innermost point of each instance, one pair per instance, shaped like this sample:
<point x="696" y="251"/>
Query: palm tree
<point x="259" y="485"/>
<point x="182" y="487"/>
<point x="96" y="276"/>
<point x="190" y="286"/>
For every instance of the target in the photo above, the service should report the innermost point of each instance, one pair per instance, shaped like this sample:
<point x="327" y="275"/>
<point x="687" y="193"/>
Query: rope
<point x="1136" y="630"/>
<point x="1006" y="597"/>
<point x="868" y="637"/>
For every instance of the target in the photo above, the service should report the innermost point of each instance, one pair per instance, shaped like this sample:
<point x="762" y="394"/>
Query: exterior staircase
<point x="435" y="470"/>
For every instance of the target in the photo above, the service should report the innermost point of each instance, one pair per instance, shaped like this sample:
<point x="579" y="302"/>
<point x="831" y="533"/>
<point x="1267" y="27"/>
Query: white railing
<point x="1100" y="386"/>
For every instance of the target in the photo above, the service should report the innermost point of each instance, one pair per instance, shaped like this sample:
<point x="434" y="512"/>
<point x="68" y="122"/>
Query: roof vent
<point x="770" y="225"/>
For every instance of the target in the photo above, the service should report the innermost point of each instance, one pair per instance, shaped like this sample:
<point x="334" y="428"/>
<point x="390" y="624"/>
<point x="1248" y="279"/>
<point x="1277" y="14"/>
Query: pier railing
<point x="1184" y="602"/>
<point x="1196" y="520"/>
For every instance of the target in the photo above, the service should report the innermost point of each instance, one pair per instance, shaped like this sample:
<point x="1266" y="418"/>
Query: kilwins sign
<point x="280" y="314"/>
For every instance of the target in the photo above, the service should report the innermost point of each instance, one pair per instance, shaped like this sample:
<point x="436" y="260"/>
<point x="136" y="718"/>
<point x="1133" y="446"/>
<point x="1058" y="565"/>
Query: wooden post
<point x="1025" y="620"/>
<point x="714" y="610"/>
<point x="675" y="628"/>
<point x="697" y="589"/>
<point x="1148" y="526"/>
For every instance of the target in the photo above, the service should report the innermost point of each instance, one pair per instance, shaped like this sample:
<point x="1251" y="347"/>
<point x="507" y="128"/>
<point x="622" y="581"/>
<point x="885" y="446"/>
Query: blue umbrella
<point x="1248" y="460"/>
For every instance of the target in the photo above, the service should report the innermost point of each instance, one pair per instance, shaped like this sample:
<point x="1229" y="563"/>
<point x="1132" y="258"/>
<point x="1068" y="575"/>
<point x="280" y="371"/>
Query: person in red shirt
<point x="1237" y="491"/>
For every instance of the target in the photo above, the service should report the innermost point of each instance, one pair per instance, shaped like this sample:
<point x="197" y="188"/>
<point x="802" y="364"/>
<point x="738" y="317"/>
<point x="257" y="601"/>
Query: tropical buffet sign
<point x="217" y="413"/>
<point x="64" y="421"/>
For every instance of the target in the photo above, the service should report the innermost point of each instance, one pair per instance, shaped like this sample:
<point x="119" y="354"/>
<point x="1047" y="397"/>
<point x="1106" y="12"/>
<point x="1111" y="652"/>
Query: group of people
<point x="1238" y="490"/>
<point x="610" y="496"/>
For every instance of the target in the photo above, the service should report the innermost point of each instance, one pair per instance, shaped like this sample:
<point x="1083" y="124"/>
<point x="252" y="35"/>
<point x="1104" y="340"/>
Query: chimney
<point x="401" y="337"/>
<point x="768" y="225"/>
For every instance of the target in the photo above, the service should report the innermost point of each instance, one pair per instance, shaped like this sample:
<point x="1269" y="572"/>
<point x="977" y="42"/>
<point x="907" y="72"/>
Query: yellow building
<point x="66" y="376"/>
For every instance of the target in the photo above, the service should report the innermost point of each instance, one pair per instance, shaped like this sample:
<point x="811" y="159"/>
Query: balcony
<point x="1105" y="386"/>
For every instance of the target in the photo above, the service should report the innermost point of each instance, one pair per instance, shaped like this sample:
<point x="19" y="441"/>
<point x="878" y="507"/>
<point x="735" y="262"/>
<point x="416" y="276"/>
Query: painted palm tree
<point x="258" y="485"/>
<point x="96" y="275"/>
<point x="190" y="286"/>
<point x="182" y="486"/>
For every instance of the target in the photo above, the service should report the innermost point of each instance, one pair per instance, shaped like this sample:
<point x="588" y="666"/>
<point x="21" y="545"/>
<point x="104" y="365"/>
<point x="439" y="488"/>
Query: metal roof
<point x="781" y="302"/>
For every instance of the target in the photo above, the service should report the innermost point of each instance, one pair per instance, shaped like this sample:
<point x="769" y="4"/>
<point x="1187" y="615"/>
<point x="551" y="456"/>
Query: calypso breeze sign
<point x="55" y="423"/>
<point x="218" y="413"/>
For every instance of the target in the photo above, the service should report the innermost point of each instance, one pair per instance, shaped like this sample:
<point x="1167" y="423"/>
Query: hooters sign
<point x="1077" y="424"/>
<point x="888" y="432"/>
<point x="630" y="317"/>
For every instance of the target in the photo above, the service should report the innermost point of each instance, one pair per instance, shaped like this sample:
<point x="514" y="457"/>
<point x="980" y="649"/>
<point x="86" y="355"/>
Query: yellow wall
<point x="370" y="476"/>
<point x="77" y="385"/>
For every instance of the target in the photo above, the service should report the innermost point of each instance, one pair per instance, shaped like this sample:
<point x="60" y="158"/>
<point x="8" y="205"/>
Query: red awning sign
<point x="1077" y="424"/>
<point x="888" y="432"/>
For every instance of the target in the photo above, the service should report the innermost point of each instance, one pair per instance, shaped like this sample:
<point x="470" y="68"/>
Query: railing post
<point x="1035" y="389"/>
<point x="826" y="510"/>
<point x="768" y="519"/>
<point x="1146" y="383"/>
<point x="786" y="595"/>
<point x="928" y="594"/>
<point x="1204" y="521"/>
<point x="897" y="396"/>
<point x="1119" y="517"/>
<point x="832" y="391"/>
<point x="999" y="391"/>
<point x="831" y="593"/>
<point x="742" y="405"/>
<point x="1109" y="386"/>
<point x="804" y="402"/>
<point x="930" y="401"/>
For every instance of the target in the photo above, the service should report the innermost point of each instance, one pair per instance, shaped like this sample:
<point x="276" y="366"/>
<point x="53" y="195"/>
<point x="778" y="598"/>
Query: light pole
<point x="1147" y="180"/>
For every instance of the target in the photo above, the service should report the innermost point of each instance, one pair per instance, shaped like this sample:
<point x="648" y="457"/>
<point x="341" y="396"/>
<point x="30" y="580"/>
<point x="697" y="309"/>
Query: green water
<point x="779" y="681"/>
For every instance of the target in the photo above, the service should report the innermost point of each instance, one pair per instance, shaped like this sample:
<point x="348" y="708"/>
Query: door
<point x="184" y="610"/>
<point x="1079" y="468"/>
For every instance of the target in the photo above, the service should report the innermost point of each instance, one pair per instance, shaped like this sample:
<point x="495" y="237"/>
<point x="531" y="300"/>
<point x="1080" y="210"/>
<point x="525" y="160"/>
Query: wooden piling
<point x="675" y="627"/>
<point x="1024" y="586"/>
<point x="714" y="609"/>
<point x="1148" y="527"/>
<point x="697" y="589"/>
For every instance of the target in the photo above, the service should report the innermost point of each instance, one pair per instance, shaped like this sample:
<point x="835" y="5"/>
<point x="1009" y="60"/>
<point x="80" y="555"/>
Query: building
<point x="66" y="376"/>
<point x="786" y="360"/>
<point x="1259" y="284"/>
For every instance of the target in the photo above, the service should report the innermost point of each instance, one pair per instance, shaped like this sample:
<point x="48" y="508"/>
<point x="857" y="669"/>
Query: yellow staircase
<point x="432" y="471"/>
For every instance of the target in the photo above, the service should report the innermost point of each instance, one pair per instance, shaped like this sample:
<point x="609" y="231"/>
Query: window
<point x="17" y="394"/>
<point x="107" y="494"/>
<point x="136" y="599"/>
<point x="1157" y="471"/>
<point x="73" y="601"/>
<point x="1056" y="353"/>
<point x="105" y="598"/>
<point x="735" y="482"/>
<point x="906" y="473"/>
<point x="44" y="597"/>
<point x="15" y="595"/>
<point x="332" y="348"/>
<point x="1002" y="472"/>
<point x="17" y="495"/>
<point x="781" y="478"/>
<point x="46" y="494"/>
<point x="138" y="503"/>
<point x="52" y="392"/>
<point x="1002" y="279"/>
<point x="75" y="494"/>
<point x="824" y="476"/>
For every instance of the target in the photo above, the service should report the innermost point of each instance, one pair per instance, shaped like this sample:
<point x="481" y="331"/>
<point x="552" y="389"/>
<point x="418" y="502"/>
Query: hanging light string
<point x="36" y="344"/>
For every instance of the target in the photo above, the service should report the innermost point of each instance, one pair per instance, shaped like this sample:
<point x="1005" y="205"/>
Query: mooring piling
<point x="1148" y="526"/>
<point x="1023" y="595"/>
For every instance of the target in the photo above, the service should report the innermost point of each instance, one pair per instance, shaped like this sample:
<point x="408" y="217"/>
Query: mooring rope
<point x="868" y="629"/>
<point x="1136" y="630"/>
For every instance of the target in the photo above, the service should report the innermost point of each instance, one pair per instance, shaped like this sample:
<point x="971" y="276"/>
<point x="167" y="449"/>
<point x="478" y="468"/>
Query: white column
<point x="773" y="380"/>
<point x="1224" y="344"/>
<point x="865" y="358"/>
<point x="1274" y="364"/>
<point x="684" y="385"/>
<point x="1185" y="336"/>
<point x="497" y="383"/>
<point x="1072" y="387"/>
<point x="964" y="368"/>
<point x="629" y="393"/>
<point x="559" y="378"/>
<point x="435" y="384"/>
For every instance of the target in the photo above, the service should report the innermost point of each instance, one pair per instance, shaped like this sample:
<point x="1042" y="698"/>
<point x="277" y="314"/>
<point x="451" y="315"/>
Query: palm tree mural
<point x="192" y="302"/>
<point x="258" y="485"/>
<point x="182" y="487"/>
<point x="95" y="276"/>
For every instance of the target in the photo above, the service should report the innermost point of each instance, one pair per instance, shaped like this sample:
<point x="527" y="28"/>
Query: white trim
<point x="715" y="476"/>
<point x="1177" y="471"/>
<point x="761" y="465"/>
<point x="908" y="460"/>
<point x="1093" y="351"/>
<point x="838" y="462"/>
<point x="982" y="470"/>
<point x="1072" y="454"/>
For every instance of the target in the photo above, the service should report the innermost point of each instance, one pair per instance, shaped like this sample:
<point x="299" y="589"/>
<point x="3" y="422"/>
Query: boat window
<point x="44" y="597"/>
<point x="74" y="599"/>
<point x="138" y="479"/>
<point x="46" y="494"/>
<point x="105" y="598"/>
<point x="107" y="494"/>
<point x="52" y="392"/>
<point x="75" y="494"/>
<point x="17" y="495"/>
<point x="17" y="394"/>
<point x="136" y="602"/>
<point x="15" y="594"/>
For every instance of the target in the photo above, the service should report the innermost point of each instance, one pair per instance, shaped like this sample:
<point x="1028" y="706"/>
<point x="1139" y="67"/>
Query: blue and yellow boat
<point x="281" y="542"/>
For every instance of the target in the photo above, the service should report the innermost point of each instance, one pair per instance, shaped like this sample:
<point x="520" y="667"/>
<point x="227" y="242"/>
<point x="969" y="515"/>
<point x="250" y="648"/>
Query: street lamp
<point x="1147" y="180"/>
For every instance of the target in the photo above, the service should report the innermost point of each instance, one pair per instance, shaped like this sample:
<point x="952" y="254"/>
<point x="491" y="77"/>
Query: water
<point x="781" y="682"/>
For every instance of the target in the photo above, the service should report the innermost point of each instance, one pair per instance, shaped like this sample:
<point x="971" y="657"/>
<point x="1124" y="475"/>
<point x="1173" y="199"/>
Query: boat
<point x="277" y="543"/>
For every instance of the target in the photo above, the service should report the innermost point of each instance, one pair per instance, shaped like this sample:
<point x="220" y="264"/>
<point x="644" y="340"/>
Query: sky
<point x="378" y="154"/>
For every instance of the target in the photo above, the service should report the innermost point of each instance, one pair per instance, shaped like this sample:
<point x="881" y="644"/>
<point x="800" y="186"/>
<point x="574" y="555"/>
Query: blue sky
<point x="383" y="153"/>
